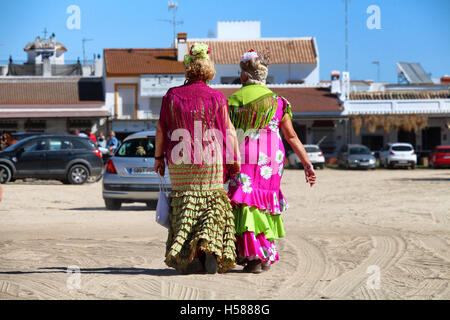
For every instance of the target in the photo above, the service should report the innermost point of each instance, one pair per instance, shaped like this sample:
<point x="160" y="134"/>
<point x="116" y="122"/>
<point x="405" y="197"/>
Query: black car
<point x="68" y="158"/>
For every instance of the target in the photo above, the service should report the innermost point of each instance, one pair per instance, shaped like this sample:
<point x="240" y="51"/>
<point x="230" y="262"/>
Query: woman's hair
<point x="256" y="71"/>
<point x="200" y="69"/>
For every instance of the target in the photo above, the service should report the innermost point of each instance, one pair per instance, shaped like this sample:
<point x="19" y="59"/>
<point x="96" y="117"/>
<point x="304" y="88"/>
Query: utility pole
<point x="173" y="5"/>
<point x="84" y="53"/>
<point x="346" y="34"/>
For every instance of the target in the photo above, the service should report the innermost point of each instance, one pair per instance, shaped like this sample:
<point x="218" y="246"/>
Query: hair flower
<point x="250" y="55"/>
<point x="198" y="50"/>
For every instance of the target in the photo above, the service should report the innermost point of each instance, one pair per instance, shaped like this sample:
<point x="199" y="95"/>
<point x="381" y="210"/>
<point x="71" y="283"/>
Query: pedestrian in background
<point x="112" y="143"/>
<point x="91" y="136"/>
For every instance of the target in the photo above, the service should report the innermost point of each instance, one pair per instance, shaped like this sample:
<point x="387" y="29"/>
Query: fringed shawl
<point x="184" y="105"/>
<point x="253" y="106"/>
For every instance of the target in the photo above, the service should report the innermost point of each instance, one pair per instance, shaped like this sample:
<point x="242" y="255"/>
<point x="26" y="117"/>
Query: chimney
<point x="181" y="45"/>
<point x="46" y="67"/>
<point x="335" y="83"/>
<point x="98" y="67"/>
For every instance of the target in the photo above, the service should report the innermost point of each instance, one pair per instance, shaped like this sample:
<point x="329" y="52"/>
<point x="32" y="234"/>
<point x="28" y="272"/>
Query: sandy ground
<point x="381" y="234"/>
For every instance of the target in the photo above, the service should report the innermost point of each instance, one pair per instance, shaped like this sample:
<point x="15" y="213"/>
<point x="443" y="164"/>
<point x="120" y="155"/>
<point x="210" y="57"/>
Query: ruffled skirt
<point x="201" y="217"/>
<point x="256" y="232"/>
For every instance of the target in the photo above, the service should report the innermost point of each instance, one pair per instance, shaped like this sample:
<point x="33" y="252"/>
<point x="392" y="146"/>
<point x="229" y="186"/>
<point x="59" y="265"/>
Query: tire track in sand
<point x="387" y="250"/>
<point x="310" y="267"/>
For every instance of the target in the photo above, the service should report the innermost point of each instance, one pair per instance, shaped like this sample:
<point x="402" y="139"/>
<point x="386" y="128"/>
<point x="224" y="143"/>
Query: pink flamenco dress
<point x="256" y="113"/>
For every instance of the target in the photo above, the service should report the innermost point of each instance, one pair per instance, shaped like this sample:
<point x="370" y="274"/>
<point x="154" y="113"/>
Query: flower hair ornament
<point x="198" y="50"/>
<point x="251" y="54"/>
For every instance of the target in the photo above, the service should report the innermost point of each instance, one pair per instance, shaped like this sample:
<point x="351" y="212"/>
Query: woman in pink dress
<point x="258" y="114"/>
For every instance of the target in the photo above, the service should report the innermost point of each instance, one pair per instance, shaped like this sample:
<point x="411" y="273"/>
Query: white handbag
<point x="163" y="207"/>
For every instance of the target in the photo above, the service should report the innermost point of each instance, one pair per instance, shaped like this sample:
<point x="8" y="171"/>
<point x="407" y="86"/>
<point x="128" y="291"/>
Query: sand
<point x="381" y="234"/>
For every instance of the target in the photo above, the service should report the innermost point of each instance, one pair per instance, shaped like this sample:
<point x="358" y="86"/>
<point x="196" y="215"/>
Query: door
<point x="407" y="137"/>
<point x="126" y="102"/>
<point x="431" y="137"/>
<point x="32" y="160"/>
<point x="59" y="152"/>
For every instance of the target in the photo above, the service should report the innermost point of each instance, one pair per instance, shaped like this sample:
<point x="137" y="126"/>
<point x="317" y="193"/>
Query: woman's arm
<point x="160" y="165"/>
<point x="299" y="149"/>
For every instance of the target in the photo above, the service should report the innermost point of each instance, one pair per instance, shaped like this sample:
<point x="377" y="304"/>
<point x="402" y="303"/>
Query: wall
<point x="280" y="72"/>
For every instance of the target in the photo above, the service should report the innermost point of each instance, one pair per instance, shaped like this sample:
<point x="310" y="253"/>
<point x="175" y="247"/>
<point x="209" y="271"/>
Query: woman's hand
<point x="160" y="167"/>
<point x="310" y="175"/>
<point x="234" y="169"/>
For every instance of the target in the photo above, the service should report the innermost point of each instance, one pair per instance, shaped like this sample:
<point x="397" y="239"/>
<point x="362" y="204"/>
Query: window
<point x="359" y="150"/>
<point x="402" y="148"/>
<point x="59" y="144"/>
<point x="141" y="148"/>
<point x="35" y="145"/>
<point x="312" y="149"/>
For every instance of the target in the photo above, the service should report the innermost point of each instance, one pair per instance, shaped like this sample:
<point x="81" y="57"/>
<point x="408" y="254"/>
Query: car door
<point x="60" y="149"/>
<point x="32" y="159"/>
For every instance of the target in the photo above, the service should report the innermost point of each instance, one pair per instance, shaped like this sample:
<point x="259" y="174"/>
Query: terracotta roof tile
<point x="302" y="99"/>
<point x="281" y="51"/>
<point x="61" y="91"/>
<point x="128" y="62"/>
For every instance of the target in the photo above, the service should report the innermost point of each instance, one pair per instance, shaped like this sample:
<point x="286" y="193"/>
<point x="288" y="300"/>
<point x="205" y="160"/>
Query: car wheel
<point x="5" y="174"/>
<point x="78" y="174"/>
<point x="152" y="204"/>
<point x="413" y="166"/>
<point x="113" y="204"/>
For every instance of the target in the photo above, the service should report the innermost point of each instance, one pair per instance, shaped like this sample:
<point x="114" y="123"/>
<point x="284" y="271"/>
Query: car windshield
<point x="401" y="148"/>
<point x="446" y="150"/>
<point x="312" y="149"/>
<point x="141" y="148"/>
<point x="359" y="150"/>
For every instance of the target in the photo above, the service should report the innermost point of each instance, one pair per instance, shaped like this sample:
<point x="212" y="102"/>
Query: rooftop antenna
<point x="377" y="62"/>
<point x="84" y="40"/>
<point x="45" y="33"/>
<point x="173" y="5"/>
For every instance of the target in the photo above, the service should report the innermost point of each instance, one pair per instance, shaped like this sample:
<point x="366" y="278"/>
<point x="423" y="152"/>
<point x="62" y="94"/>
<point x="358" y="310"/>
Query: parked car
<point x="398" y="154"/>
<point x="129" y="174"/>
<point x="440" y="157"/>
<point x="315" y="156"/>
<point x="70" y="159"/>
<point x="356" y="156"/>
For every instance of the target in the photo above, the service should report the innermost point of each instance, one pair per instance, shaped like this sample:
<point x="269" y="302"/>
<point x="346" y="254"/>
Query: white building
<point x="47" y="95"/>
<point x="135" y="82"/>
<point x="292" y="60"/>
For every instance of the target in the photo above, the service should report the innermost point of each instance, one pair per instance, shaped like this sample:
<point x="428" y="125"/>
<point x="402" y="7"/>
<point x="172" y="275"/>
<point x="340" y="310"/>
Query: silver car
<point x="129" y="174"/>
<point x="315" y="155"/>
<point x="356" y="156"/>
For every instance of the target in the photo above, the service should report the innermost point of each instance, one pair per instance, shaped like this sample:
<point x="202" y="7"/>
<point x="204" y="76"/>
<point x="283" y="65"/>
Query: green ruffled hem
<point x="204" y="220"/>
<point x="254" y="220"/>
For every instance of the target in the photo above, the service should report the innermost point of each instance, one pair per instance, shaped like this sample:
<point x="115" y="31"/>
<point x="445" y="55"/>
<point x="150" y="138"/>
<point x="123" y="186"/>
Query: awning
<point x="52" y="111"/>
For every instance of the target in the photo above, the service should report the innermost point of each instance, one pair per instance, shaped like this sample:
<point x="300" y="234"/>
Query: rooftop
<point x="282" y="50"/>
<point x="134" y="62"/>
<point x="51" y="91"/>
<point x="302" y="99"/>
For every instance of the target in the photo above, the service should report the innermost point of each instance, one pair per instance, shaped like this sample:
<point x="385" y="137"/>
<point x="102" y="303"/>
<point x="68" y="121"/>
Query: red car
<point x="440" y="157"/>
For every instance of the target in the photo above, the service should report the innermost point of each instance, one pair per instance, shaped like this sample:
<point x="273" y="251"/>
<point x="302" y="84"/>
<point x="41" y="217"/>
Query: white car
<point x="315" y="156"/>
<point x="398" y="154"/>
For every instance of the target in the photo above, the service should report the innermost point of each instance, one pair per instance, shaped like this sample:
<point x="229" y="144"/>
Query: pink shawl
<point x="183" y="106"/>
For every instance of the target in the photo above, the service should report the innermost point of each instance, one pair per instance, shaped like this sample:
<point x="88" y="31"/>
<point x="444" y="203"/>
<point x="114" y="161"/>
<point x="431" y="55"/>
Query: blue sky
<point x="411" y="30"/>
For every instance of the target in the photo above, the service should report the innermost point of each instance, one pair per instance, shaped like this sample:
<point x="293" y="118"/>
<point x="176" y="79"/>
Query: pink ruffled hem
<point x="271" y="202"/>
<point x="251" y="247"/>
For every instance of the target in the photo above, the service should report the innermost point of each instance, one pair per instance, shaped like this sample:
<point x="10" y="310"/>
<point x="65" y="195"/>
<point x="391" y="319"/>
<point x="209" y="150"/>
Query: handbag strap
<point x="162" y="184"/>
